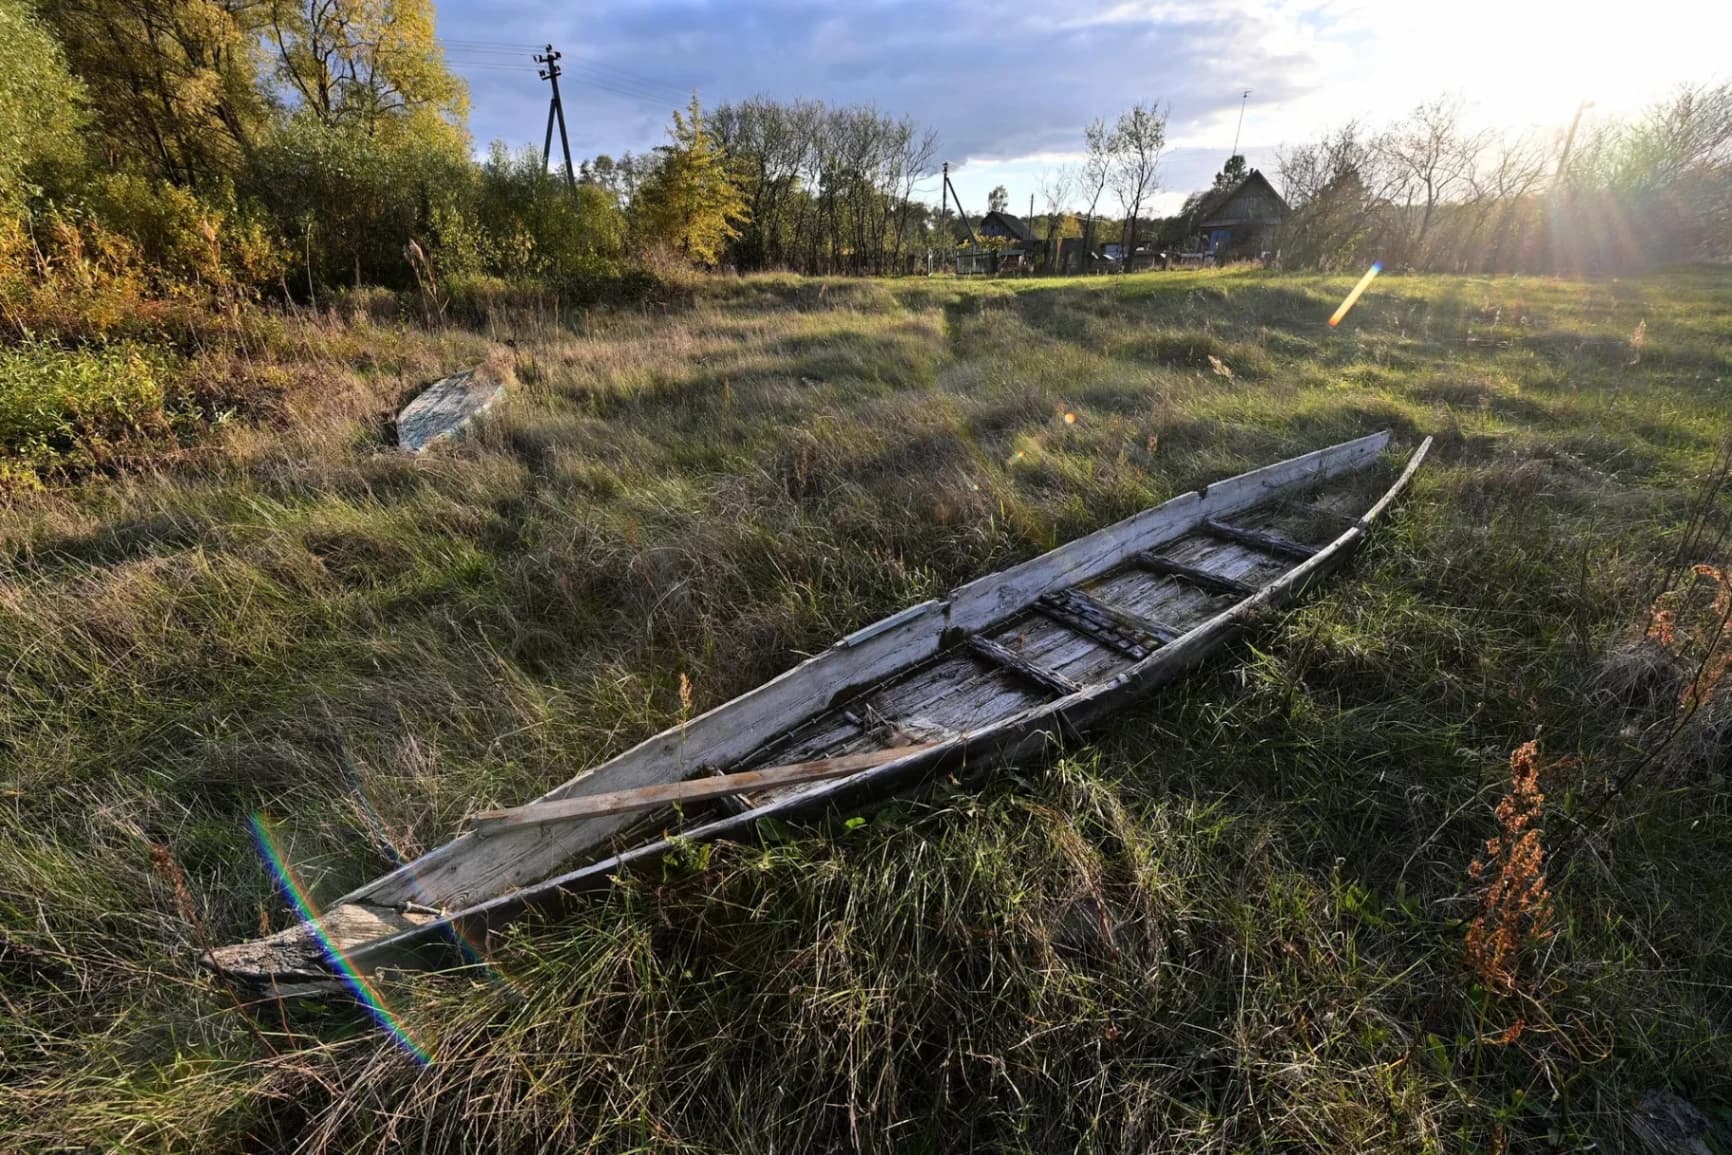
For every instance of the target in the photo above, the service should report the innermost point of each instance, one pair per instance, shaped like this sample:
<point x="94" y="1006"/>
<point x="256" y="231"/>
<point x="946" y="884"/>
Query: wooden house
<point x="1003" y="244"/>
<point x="1002" y="226"/>
<point x="1240" y="221"/>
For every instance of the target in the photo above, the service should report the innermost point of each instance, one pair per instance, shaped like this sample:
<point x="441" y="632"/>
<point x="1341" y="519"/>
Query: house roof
<point x="1008" y="225"/>
<point x="1212" y="210"/>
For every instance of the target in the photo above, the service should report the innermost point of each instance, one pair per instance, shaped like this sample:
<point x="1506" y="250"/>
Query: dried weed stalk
<point x="1515" y="906"/>
<point x="1690" y="622"/>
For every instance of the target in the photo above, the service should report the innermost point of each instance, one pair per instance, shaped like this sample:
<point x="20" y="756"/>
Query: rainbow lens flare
<point x="368" y="995"/>
<point x="1353" y="297"/>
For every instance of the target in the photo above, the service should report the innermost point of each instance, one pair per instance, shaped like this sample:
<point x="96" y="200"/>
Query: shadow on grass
<point x="116" y="543"/>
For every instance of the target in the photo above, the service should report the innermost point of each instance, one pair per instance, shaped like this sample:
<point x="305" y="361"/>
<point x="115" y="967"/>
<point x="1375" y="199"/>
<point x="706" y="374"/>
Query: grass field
<point x="1235" y="923"/>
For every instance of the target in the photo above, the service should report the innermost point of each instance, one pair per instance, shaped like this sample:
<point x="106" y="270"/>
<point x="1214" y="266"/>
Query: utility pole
<point x="960" y="211"/>
<point x="1570" y="139"/>
<point x="550" y="72"/>
<point x="1243" y="100"/>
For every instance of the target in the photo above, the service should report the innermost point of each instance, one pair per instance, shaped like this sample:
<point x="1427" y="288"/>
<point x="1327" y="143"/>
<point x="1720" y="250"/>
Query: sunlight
<point x="1353" y="297"/>
<point x="1521" y="65"/>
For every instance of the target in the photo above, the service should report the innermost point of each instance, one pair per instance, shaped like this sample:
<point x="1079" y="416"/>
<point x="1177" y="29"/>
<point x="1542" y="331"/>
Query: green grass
<point x="1233" y="923"/>
<point x="64" y="408"/>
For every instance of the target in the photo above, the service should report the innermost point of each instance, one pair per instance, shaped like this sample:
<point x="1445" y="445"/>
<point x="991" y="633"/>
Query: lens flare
<point x="473" y="952"/>
<point x="1364" y="283"/>
<point x="364" y="990"/>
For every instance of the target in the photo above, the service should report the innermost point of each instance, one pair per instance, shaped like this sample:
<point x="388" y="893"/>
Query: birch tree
<point x="1135" y="148"/>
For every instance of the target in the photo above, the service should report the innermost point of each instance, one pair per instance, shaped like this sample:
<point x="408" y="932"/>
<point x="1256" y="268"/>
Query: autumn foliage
<point x="1690" y="623"/>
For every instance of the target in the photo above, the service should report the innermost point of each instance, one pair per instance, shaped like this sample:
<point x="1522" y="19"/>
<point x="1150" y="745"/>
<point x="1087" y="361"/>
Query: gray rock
<point x="444" y="408"/>
<point x="1669" y="1125"/>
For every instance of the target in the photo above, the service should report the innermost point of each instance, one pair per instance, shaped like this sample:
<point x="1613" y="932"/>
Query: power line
<point x="496" y="45"/>
<point x="474" y="66"/>
<point x="633" y="77"/>
<point x="485" y="50"/>
<point x="662" y="96"/>
<point x="616" y="82"/>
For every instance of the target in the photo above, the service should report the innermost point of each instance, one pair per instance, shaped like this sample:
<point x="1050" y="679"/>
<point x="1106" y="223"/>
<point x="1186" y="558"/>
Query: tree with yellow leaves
<point x="174" y="84"/>
<point x="690" y="202"/>
<point x="371" y="65"/>
<point x="40" y="103"/>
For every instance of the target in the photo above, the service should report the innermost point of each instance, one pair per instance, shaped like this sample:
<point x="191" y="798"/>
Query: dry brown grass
<point x="1233" y="924"/>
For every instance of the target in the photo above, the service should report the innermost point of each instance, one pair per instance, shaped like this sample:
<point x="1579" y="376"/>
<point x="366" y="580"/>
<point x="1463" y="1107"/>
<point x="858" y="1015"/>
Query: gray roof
<point x="1209" y="211"/>
<point x="1013" y="226"/>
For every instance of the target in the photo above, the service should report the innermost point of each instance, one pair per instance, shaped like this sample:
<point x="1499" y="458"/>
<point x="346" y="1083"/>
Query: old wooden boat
<point x="1001" y="669"/>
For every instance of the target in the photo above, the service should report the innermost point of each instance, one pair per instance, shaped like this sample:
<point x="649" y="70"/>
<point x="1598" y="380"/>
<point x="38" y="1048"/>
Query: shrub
<point x="532" y="225"/>
<point x="69" y="408"/>
<point x="140" y="258"/>
<point x="188" y="242"/>
<point x="63" y="274"/>
<point x="350" y="202"/>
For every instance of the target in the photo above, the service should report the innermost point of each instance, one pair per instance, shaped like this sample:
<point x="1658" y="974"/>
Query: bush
<point x="188" y="242"/>
<point x="69" y="408"/>
<point x="351" y="202"/>
<point x="532" y="225"/>
<point x="140" y="257"/>
<point x="63" y="274"/>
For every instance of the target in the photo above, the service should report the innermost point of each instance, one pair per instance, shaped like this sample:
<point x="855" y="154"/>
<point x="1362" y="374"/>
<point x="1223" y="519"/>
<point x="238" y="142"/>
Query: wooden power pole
<point x="550" y="72"/>
<point x="960" y="211"/>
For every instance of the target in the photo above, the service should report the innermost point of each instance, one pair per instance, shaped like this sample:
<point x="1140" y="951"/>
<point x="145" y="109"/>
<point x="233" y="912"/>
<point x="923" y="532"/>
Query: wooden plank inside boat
<point x="691" y="790"/>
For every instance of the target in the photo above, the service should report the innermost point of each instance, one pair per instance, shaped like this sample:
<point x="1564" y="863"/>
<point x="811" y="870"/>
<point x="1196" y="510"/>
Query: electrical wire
<point x="626" y="87"/>
<point x="491" y="52"/>
<point x="491" y="45"/>
<point x="657" y="100"/>
<point x="485" y="56"/>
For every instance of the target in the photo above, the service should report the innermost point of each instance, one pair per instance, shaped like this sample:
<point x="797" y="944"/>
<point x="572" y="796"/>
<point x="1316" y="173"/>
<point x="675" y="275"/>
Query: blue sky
<point x="1009" y="87"/>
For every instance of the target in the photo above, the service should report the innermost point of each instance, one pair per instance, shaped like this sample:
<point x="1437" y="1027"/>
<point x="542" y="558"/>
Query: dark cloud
<point x="996" y="84"/>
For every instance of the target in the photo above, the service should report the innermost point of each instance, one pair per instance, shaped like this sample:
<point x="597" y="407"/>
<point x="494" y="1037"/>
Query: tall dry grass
<point x="1234" y="923"/>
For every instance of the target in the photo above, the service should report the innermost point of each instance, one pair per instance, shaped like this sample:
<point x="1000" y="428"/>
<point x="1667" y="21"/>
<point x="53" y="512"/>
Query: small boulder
<point x="445" y="408"/>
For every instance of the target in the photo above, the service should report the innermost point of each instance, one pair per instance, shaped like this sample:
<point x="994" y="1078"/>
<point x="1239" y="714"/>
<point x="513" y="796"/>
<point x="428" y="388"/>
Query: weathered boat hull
<point x="460" y="889"/>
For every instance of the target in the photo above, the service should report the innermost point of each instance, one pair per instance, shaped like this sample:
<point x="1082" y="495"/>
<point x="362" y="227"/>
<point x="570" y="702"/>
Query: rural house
<point x="1239" y="221"/>
<point x="1007" y="245"/>
<point x="997" y="226"/>
<point x="1002" y="226"/>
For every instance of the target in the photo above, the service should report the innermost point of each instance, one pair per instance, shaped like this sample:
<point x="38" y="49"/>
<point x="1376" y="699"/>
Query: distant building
<point x="1074" y="256"/>
<point x="1239" y="221"/>
<point x="1003" y="244"/>
<point x="1003" y="226"/>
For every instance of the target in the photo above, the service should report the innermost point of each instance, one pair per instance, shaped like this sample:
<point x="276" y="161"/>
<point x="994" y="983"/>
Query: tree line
<point x="827" y="190"/>
<point x="288" y="147"/>
<point x="1428" y="193"/>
